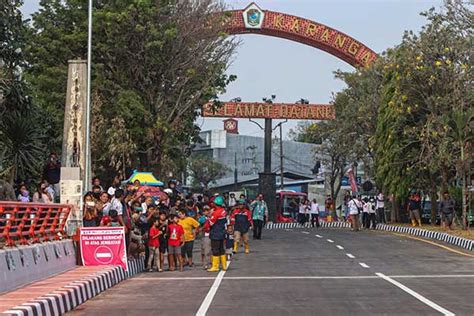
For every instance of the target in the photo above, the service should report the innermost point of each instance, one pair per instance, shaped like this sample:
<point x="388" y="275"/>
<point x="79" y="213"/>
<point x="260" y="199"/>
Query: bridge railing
<point x="27" y="223"/>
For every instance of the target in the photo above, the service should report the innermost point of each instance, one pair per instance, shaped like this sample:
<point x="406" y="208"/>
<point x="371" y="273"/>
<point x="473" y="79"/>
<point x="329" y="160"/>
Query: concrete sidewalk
<point x="61" y="293"/>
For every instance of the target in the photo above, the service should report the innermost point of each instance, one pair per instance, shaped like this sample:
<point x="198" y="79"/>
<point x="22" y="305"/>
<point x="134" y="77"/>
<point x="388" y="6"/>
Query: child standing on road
<point x="229" y="241"/>
<point x="163" y="227"/>
<point x="175" y="241"/>
<point x="205" y="240"/>
<point x="154" y="246"/>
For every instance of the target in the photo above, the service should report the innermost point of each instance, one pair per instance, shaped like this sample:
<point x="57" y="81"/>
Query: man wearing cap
<point x="241" y="219"/>
<point x="217" y="223"/>
<point x="259" y="214"/>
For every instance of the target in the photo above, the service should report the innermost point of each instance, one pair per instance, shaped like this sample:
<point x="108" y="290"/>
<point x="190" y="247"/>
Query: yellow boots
<point x="247" y="248"/>
<point x="223" y="262"/>
<point x="236" y="246"/>
<point x="215" y="264"/>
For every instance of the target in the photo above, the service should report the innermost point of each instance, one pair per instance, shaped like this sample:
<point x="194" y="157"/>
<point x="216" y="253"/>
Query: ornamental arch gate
<point x="254" y="20"/>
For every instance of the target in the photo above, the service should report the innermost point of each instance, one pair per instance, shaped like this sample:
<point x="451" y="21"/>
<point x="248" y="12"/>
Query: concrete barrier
<point x="464" y="243"/>
<point x="25" y="264"/>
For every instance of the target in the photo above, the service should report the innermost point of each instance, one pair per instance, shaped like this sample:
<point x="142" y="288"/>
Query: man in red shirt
<point x="218" y="222"/>
<point x="154" y="246"/>
<point x="241" y="219"/>
<point x="175" y="241"/>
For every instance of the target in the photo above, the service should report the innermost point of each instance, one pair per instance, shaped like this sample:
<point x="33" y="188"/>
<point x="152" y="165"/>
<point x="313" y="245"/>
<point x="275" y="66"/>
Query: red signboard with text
<point x="273" y="111"/>
<point x="103" y="246"/>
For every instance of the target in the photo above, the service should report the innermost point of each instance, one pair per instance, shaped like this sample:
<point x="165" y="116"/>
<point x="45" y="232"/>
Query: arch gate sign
<point x="257" y="21"/>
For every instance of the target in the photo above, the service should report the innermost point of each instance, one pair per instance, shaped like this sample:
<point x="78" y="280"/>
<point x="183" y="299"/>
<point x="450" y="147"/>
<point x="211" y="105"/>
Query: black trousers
<point x="187" y="249"/>
<point x="257" y="228"/>
<point x="217" y="248"/>
<point x="381" y="215"/>
<point x="314" y="219"/>
<point x="365" y="220"/>
<point x="372" y="220"/>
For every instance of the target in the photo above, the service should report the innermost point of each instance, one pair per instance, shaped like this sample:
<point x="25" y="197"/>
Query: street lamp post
<point x="87" y="171"/>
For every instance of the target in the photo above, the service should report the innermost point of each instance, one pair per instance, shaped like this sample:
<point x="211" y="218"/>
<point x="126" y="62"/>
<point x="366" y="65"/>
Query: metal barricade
<point x="27" y="223"/>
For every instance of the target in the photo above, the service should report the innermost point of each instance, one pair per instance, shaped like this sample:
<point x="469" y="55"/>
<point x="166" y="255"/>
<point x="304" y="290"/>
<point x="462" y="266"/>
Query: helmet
<point x="219" y="201"/>
<point x="168" y="191"/>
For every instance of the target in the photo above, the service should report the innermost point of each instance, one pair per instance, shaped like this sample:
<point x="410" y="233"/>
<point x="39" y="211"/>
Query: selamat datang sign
<point x="283" y="111"/>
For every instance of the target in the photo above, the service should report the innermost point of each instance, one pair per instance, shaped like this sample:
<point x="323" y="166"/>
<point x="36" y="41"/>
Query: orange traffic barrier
<point x="26" y="223"/>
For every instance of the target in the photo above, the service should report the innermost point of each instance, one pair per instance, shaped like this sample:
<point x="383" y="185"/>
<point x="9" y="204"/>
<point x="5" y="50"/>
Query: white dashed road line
<point x="415" y="295"/>
<point x="363" y="265"/>
<point x="340" y="247"/>
<point x="305" y="232"/>
<point x="350" y="255"/>
<point x="319" y="236"/>
<point x="329" y="240"/>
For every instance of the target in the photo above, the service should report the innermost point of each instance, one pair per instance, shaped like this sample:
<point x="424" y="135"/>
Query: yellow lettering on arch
<point x="238" y="110"/>
<point x="278" y="21"/>
<point x="366" y="58"/>
<point x="311" y="29"/>
<point x="325" y="36"/>
<point x="295" y="25"/>
<point x="340" y="40"/>
<point x="260" y="111"/>
<point x="353" y="48"/>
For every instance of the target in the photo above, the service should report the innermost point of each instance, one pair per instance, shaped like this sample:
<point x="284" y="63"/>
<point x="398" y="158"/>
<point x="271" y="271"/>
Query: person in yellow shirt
<point x="190" y="227"/>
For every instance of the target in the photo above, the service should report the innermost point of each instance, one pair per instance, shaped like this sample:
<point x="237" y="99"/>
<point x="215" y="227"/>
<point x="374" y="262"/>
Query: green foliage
<point x="155" y="63"/>
<point x="205" y="170"/>
<point x="21" y="136"/>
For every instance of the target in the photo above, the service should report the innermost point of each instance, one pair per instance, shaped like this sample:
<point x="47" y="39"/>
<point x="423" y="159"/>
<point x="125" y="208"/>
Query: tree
<point x="21" y="148"/>
<point x="155" y="63"/>
<point x="205" y="171"/>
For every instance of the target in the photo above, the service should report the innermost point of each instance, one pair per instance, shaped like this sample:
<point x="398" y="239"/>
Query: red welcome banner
<point x="103" y="246"/>
<point x="352" y="180"/>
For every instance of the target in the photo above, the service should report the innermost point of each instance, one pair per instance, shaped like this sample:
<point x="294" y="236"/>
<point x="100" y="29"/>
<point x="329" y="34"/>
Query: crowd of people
<point x="164" y="228"/>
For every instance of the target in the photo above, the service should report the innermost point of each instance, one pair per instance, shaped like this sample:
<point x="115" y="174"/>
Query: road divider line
<point x="340" y="247"/>
<point x="305" y="232"/>
<point x="330" y="240"/>
<point x="416" y="295"/>
<point x="319" y="236"/>
<point x="350" y="255"/>
<point x="212" y="292"/>
<point x="363" y="265"/>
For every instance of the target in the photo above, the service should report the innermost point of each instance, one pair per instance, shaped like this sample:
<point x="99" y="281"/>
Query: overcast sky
<point x="267" y="65"/>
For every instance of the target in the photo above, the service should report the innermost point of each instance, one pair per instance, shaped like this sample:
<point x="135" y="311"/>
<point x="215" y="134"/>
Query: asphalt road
<point x="307" y="272"/>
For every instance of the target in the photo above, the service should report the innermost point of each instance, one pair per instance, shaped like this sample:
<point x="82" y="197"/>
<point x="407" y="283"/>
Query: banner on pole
<point x="103" y="246"/>
<point x="352" y="180"/>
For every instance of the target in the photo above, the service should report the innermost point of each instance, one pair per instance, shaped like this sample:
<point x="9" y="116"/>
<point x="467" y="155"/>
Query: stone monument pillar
<point x="73" y="156"/>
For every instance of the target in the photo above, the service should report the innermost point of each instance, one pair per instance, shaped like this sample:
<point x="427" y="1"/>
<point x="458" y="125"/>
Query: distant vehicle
<point x="288" y="204"/>
<point x="426" y="213"/>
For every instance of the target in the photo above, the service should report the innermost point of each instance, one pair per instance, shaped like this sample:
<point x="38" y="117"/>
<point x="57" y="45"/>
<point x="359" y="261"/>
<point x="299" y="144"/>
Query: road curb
<point x="447" y="238"/>
<point x="67" y="298"/>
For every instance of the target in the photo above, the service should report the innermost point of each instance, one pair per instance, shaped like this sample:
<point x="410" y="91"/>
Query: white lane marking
<point x="212" y="292"/>
<point x="363" y="265"/>
<point x="340" y="247"/>
<point x="350" y="255"/>
<point x="316" y="277"/>
<point x="329" y="240"/>
<point x="305" y="232"/>
<point x="319" y="236"/>
<point x="415" y="295"/>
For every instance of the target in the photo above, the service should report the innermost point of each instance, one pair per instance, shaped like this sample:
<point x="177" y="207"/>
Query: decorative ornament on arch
<point x="254" y="20"/>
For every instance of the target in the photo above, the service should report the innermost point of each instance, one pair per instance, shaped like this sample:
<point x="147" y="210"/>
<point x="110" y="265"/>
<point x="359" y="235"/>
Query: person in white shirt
<point x="355" y="207"/>
<point x="314" y="211"/>
<point x="365" y="213"/>
<point x="303" y="212"/>
<point x="372" y="217"/>
<point x="115" y="186"/>
<point x="381" y="208"/>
